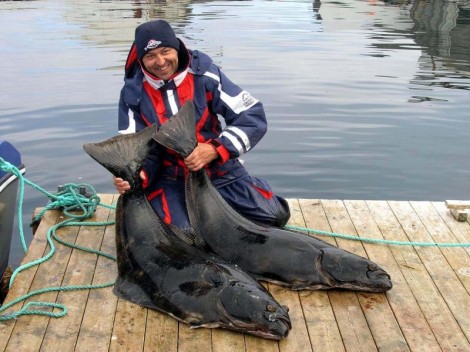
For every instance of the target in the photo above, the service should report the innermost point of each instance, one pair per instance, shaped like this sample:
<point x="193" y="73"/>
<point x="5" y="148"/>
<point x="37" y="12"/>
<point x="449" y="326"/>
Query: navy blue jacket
<point x="146" y="99"/>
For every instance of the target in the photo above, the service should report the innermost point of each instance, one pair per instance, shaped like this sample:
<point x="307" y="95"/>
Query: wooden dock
<point x="428" y="308"/>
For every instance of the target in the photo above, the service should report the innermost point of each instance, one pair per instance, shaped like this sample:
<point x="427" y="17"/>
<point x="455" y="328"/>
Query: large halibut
<point x="289" y="258"/>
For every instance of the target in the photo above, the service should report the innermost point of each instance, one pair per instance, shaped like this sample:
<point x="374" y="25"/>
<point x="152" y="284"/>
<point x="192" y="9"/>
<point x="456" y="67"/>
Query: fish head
<point x="349" y="271"/>
<point x="249" y="308"/>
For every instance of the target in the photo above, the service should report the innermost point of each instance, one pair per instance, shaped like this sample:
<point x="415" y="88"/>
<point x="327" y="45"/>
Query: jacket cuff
<point x="223" y="152"/>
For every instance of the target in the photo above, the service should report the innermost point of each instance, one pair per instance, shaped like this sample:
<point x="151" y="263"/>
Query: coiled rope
<point x="78" y="202"/>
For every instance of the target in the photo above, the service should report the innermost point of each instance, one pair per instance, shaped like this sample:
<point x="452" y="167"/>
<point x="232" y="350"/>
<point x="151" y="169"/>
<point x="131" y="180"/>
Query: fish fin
<point x="123" y="155"/>
<point x="179" y="132"/>
<point x="132" y="292"/>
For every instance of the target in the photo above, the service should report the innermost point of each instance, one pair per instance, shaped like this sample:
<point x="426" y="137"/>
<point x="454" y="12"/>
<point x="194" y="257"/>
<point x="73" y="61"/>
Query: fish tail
<point x="179" y="132"/>
<point x="123" y="155"/>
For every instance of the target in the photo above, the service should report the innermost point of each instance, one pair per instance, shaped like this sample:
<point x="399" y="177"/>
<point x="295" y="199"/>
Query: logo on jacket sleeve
<point x="247" y="99"/>
<point x="152" y="44"/>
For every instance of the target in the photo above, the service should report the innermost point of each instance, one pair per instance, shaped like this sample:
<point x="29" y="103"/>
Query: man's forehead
<point x="159" y="49"/>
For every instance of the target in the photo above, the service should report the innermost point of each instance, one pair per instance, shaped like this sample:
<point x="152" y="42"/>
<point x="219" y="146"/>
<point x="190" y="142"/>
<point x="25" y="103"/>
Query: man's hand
<point x="202" y="155"/>
<point x="122" y="186"/>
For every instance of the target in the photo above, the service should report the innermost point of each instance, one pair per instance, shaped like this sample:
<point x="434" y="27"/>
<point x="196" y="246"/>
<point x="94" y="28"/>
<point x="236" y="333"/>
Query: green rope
<point x="26" y="311"/>
<point x="374" y="240"/>
<point x="78" y="202"/>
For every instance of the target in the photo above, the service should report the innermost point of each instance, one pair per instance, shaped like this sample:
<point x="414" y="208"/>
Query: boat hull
<point x="8" y="198"/>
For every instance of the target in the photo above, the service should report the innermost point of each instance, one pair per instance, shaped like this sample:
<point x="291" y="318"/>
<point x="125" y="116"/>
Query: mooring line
<point x="375" y="240"/>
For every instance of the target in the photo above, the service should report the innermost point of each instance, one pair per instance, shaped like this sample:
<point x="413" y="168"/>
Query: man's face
<point x="161" y="62"/>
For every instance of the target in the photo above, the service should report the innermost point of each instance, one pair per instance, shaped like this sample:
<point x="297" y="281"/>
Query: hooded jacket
<point x="146" y="100"/>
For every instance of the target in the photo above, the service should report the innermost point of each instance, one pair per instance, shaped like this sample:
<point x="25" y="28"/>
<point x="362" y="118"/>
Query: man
<point x="161" y="75"/>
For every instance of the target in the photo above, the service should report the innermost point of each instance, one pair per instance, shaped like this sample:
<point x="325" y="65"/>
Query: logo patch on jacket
<point x="247" y="99"/>
<point x="152" y="44"/>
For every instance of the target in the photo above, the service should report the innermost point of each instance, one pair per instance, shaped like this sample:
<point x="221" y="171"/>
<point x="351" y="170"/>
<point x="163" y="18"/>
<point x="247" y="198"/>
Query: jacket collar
<point x="157" y="83"/>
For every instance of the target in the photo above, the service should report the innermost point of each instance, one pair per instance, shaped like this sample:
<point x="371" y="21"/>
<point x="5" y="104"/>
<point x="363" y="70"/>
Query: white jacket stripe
<point x="131" y="127"/>
<point x="242" y="135"/>
<point x="234" y="141"/>
<point x="171" y="99"/>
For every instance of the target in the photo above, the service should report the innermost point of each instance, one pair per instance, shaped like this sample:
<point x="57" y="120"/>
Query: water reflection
<point x="442" y="29"/>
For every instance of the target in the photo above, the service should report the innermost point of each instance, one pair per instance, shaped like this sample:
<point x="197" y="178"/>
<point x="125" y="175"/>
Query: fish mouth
<point x="278" y="327"/>
<point x="383" y="279"/>
<point x="283" y="323"/>
<point x="372" y="279"/>
<point x="277" y="332"/>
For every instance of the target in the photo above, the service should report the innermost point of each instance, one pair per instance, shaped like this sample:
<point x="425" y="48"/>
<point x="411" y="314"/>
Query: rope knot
<point x="7" y="167"/>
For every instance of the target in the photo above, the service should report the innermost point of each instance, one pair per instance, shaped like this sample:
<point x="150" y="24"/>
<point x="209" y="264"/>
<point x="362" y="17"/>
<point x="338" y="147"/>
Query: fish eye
<point x="270" y="308"/>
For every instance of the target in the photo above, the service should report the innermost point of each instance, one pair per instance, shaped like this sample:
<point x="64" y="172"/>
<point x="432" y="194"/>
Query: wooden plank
<point x="22" y="283"/>
<point x="98" y="319"/>
<point x="454" y="287"/>
<point x="190" y="340"/>
<point x="378" y="312"/>
<point x="161" y="333"/>
<point x="315" y="218"/>
<point x="459" y="215"/>
<point x="298" y="339"/>
<point x="256" y="344"/>
<point x="348" y="311"/>
<point x="428" y="293"/>
<point x="412" y="322"/>
<point x="459" y="209"/>
<point x="340" y="222"/>
<point x="458" y="204"/>
<point x="49" y="274"/>
<point x="227" y="341"/>
<point x="319" y="316"/>
<point x="61" y="334"/>
<point x="129" y="327"/>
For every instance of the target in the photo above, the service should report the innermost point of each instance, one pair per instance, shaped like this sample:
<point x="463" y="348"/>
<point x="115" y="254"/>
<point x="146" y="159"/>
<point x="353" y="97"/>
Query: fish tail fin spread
<point x="179" y="132"/>
<point x="123" y="155"/>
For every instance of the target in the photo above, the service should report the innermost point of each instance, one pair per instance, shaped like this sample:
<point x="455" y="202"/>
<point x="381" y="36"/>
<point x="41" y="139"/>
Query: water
<point x="365" y="99"/>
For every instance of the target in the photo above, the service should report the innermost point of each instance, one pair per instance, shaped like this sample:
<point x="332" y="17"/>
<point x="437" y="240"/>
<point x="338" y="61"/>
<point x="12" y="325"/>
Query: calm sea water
<point x="365" y="99"/>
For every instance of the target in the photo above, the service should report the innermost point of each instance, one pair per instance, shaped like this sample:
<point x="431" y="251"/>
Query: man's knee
<point x="283" y="214"/>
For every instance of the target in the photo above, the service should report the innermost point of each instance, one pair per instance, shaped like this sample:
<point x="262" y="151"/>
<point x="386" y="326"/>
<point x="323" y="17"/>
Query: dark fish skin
<point x="156" y="269"/>
<point x="288" y="258"/>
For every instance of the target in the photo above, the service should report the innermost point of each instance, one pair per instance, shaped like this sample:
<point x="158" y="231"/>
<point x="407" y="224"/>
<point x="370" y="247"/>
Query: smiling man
<point x="161" y="75"/>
